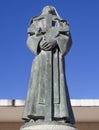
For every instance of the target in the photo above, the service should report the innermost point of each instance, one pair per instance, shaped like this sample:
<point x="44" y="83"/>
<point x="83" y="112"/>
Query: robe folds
<point x="48" y="96"/>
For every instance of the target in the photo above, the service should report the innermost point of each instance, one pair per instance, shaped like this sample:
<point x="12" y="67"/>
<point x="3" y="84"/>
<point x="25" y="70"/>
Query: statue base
<point x="48" y="126"/>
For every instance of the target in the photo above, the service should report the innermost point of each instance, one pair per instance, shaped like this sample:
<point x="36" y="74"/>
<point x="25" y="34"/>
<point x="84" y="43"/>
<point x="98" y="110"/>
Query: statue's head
<point x="49" y="10"/>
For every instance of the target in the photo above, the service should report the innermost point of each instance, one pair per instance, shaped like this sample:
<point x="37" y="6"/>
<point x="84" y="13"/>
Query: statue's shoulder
<point x="37" y="18"/>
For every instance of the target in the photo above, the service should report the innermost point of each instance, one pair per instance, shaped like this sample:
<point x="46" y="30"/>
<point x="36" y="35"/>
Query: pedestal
<point x="48" y="126"/>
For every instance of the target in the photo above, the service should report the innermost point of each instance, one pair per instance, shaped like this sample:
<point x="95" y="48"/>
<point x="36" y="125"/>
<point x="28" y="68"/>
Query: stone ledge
<point x="74" y="102"/>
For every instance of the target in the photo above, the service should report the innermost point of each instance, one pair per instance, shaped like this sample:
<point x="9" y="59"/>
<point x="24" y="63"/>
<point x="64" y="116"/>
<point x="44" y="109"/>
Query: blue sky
<point x="82" y="62"/>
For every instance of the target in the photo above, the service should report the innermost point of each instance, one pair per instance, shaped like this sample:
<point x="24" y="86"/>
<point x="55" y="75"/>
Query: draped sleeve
<point x="33" y="44"/>
<point x="64" y="43"/>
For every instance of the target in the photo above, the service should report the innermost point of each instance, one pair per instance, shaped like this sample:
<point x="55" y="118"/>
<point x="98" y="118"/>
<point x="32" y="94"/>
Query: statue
<point x="48" y="98"/>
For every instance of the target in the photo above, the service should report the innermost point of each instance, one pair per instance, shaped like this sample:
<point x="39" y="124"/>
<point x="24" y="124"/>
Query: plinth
<point x="48" y="126"/>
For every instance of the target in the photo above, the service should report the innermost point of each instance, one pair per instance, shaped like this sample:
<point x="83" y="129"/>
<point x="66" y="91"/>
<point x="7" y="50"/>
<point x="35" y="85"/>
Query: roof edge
<point x="74" y="102"/>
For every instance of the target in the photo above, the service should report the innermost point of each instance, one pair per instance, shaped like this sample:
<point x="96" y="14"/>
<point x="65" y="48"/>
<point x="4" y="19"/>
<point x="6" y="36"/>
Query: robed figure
<point x="47" y="98"/>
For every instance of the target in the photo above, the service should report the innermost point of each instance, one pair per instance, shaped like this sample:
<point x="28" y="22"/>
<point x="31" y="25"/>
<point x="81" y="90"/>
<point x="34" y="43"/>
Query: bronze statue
<point x="50" y="40"/>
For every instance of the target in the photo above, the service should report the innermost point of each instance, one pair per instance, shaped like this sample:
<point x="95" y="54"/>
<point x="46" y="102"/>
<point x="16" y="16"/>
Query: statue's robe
<point x="48" y="96"/>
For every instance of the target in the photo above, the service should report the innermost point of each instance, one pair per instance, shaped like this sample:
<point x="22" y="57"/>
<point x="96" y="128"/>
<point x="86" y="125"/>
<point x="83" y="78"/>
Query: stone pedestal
<point x="48" y="126"/>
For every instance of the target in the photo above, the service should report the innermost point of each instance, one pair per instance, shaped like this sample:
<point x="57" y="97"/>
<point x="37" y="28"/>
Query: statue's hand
<point x="42" y="43"/>
<point x="51" y="45"/>
<point x="48" y="46"/>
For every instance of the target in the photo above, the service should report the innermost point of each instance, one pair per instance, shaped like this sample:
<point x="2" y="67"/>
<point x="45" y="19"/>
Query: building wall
<point x="80" y="126"/>
<point x="86" y="113"/>
<point x="88" y="126"/>
<point x="10" y="125"/>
